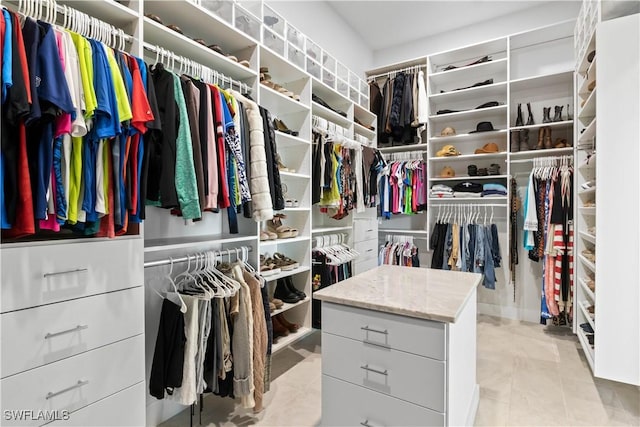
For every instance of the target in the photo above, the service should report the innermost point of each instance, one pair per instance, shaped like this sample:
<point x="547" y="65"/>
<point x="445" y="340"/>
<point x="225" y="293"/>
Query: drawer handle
<point x="371" y="229"/>
<point x="369" y="250"/>
<point x="365" y="423"/>
<point x="77" y="270"/>
<point x="367" y="368"/>
<point x="68" y="331"/>
<point x="368" y="329"/>
<point x="73" y="387"/>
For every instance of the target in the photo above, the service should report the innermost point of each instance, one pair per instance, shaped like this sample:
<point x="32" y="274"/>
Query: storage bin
<point x="295" y="37"/>
<point x="354" y="94"/>
<point x="273" y="21"/>
<point x="295" y="56"/>
<point x="220" y="8"/>
<point x="273" y="41"/>
<point x="342" y="72"/>
<point x="246" y="22"/>
<point x="314" y="51"/>
<point x="342" y="87"/>
<point x="329" y="62"/>
<point x="328" y="78"/>
<point x="314" y="68"/>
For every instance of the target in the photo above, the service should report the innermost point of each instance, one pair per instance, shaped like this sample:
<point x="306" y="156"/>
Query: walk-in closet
<point x="319" y="213"/>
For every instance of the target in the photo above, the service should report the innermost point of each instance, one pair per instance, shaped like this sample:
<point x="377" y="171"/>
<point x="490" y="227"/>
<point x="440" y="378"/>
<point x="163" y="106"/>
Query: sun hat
<point x="448" y="131"/>
<point x="447" y="172"/>
<point x="490" y="147"/>
<point x="448" y="151"/>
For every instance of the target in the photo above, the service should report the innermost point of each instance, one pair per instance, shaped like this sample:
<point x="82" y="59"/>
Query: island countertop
<point x="423" y="293"/>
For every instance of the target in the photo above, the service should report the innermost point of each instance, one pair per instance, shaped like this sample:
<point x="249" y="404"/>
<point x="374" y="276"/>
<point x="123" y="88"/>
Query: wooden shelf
<point x="469" y="114"/>
<point x="287" y="140"/>
<point x="487" y="91"/>
<point x="588" y="350"/>
<point x="452" y="76"/>
<point x="530" y="154"/>
<point x="294" y="175"/>
<point x="361" y="130"/>
<point x="287" y="273"/>
<point x="588" y="112"/>
<point x="589" y="132"/>
<point x="587" y="315"/>
<point x="274" y="242"/>
<point x="469" y="136"/>
<point x="469" y="157"/>
<point x="542" y="81"/>
<point x="332" y="116"/>
<point x="562" y="124"/>
<point x="331" y="229"/>
<point x="172" y="243"/>
<point x="276" y="101"/>
<point x="588" y="237"/>
<point x="585" y="288"/>
<point x="471" y="178"/>
<point x="286" y="307"/>
<point x="401" y="148"/>
<point x="587" y="263"/>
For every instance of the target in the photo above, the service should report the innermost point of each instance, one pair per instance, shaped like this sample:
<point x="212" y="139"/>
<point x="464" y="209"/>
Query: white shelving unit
<point x="615" y="354"/>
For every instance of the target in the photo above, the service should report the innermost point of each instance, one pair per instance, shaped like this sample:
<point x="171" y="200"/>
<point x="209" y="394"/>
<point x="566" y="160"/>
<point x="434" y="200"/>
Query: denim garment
<point x="489" y="267"/>
<point x="448" y="246"/>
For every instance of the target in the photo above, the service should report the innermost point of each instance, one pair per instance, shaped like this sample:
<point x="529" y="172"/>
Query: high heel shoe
<point x="275" y="226"/>
<point x="281" y="127"/>
<point x="519" y="121"/>
<point x="530" y="120"/>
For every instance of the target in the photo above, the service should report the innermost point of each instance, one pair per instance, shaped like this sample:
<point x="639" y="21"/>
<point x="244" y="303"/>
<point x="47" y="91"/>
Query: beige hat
<point x="447" y="172"/>
<point x="448" y="131"/>
<point x="448" y="151"/>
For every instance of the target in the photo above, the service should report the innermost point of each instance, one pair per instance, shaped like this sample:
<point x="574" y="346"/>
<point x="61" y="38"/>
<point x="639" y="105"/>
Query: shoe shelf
<point x="541" y="81"/>
<point x="588" y="111"/>
<point x="284" y="342"/>
<point x="180" y="44"/>
<point x="277" y="101"/>
<point x="588" y="210"/>
<point x="587" y="263"/>
<point x="530" y="154"/>
<point x="470" y="157"/>
<point x="589" y="316"/>
<point x="185" y="242"/>
<point x="589" y="133"/>
<point x="587" y="192"/>
<point x="496" y="49"/>
<point x="584" y="63"/>
<point x="477" y="114"/>
<point x="285" y="139"/>
<point x="588" y="350"/>
<point x="586" y="290"/>
<point x="588" y="237"/>
<point x="361" y="130"/>
<point x="287" y="273"/>
<point x="278" y="242"/>
<point x="286" y="307"/>
<point x="487" y="91"/>
<point x="562" y="124"/>
<point x="590" y="77"/>
<point x="280" y="70"/>
<point x="491" y="68"/>
<point x="454" y="139"/>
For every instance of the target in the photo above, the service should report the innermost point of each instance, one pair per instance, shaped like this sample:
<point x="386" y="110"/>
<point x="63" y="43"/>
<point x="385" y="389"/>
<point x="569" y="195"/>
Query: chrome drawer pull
<point x="367" y="368"/>
<point x="371" y="229"/>
<point x="77" y="385"/>
<point x="68" y="331"/>
<point x="368" y="329"/>
<point x="77" y="270"/>
<point x="365" y="423"/>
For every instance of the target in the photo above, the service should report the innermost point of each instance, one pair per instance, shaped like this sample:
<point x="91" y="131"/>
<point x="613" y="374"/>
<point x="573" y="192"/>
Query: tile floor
<point x="529" y="375"/>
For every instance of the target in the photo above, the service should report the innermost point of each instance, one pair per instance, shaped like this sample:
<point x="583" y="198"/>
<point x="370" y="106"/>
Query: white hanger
<point x="175" y="295"/>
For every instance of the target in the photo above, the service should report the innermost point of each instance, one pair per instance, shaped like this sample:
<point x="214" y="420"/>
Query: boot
<point x="569" y="117"/>
<point x="524" y="140"/>
<point x="546" y="113"/>
<point x="530" y="120"/>
<point x="292" y="327"/>
<point x="292" y="288"/>
<point x="540" y="145"/>
<point x="557" y="116"/>
<point x="519" y="121"/>
<point x="547" y="135"/>
<point x="283" y="293"/>
<point x="279" y="330"/>
<point x="515" y="141"/>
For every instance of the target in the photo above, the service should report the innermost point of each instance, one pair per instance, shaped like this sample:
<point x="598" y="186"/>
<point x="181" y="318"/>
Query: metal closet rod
<point x="550" y="158"/>
<point x="162" y="52"/>
<point x="168" y="261"/>
<point x="399" y="70"/>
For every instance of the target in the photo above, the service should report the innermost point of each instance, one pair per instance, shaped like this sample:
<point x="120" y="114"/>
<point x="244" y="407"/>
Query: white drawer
<point x="365" y="229"/>
<point x="125" y="408"/>
<point x="77" y="381"/>
<point x="367" y="249"/>
<point x="416" y="379"/>
<point x="417" y="336"/>
<point x="46" y="274"/>
<point x="345" y="404"/>
<point x="42" y="335"/>
<point x="361" y="266"/>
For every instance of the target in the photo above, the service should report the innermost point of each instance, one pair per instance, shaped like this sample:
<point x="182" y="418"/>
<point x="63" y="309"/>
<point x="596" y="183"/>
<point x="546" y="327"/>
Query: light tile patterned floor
<point x="529" y="375"/>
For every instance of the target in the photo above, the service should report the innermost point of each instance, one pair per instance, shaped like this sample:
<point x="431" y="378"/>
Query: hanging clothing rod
<point x="74" y="20"/>
<point x="541" y="159"/>
<point x="470" y="205"/>
<point x="206" y="73"/>
<point x="169" y="261"/>
<point x="413" y="68"/>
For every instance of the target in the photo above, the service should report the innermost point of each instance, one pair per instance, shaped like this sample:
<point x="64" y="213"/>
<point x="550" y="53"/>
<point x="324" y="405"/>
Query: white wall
<point x="538" y="16"/>
<point x="318" y="21"/>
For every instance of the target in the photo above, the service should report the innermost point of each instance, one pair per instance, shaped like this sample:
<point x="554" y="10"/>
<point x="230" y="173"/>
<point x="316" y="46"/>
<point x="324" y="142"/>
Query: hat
<point x="448" y="151"/>
<point x="490" y="147"/>
<point x="483" y="127"/>
<point x="447" y="172"/>
<point x="448" y="131"/>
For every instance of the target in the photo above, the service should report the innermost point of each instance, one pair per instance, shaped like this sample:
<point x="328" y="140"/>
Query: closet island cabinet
<point x="399" y="348"/>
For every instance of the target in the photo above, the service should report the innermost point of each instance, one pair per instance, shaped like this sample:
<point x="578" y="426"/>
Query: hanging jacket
<point x="261" y="196"/>
<point x="272" y="165"/>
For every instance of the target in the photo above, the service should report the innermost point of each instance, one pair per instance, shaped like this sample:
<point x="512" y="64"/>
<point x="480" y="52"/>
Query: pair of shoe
<point x="284" y="232"/>
<point x="265" y="79"/>
<point x="557" y="116"/>
<point x="275" y="304"/>
<point x="282" y="327"/>
<point x="268" y="267"/>
<point x="519" y="119"/>
<point x="587" y="328"/>
<point x="520" y="141"/>
<point x="321" y="101"/>
<point x="281" y="127"/>
<point x="287" y="292"/>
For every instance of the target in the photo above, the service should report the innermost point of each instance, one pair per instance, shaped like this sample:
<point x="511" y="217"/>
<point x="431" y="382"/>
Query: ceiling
<point x="387" y="23"/>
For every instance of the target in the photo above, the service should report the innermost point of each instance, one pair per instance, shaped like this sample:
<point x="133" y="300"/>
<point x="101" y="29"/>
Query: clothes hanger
<point x="174" y="296"/>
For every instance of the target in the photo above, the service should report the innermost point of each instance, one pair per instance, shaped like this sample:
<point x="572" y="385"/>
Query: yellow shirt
<point x="85" y="58"/>
<point x="124" y="107"/>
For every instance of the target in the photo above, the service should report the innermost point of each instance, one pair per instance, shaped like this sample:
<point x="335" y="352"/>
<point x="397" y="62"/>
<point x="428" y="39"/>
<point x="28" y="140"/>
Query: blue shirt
<point x="106" y="121"/>
<point x="7" y="52"/>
